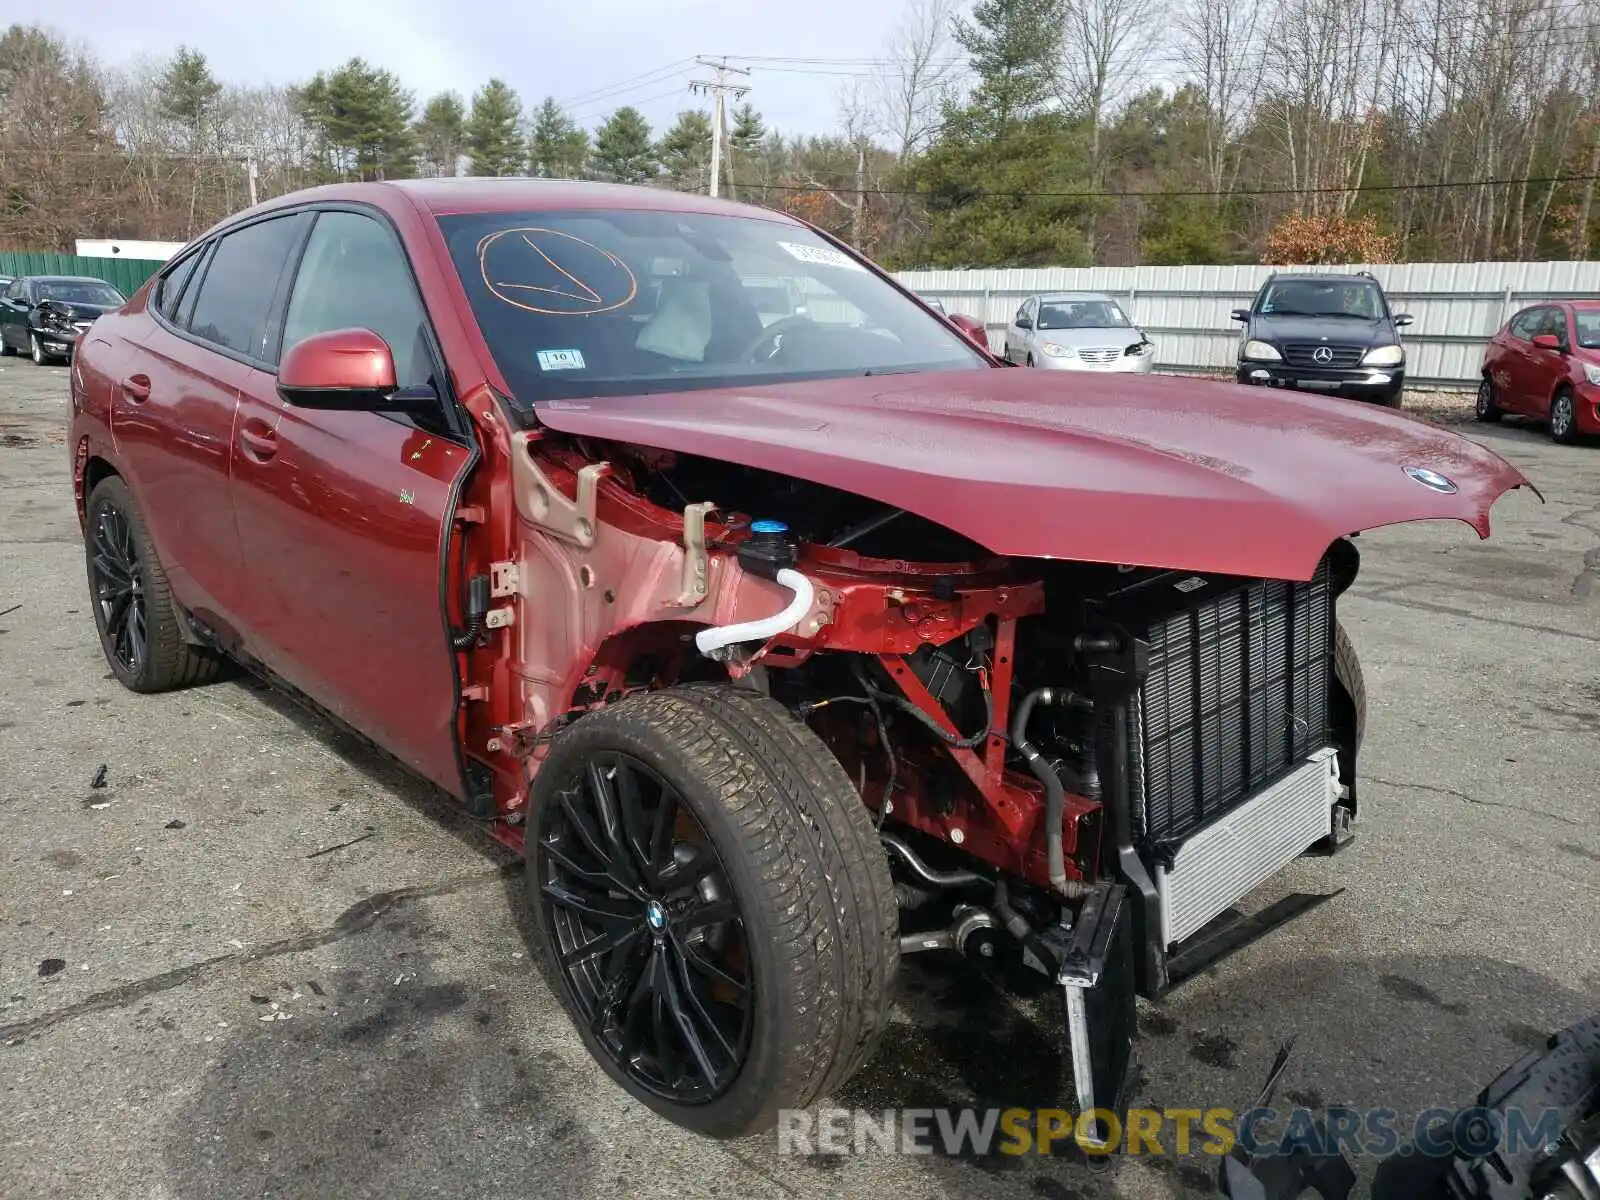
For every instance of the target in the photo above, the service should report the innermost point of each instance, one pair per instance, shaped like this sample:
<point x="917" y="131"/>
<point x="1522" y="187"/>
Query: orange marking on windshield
<point x="589" y="299"/>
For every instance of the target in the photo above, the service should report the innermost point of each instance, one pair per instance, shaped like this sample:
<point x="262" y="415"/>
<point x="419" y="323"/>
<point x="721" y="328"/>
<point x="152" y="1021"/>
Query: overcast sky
<point x="571" y="49"/>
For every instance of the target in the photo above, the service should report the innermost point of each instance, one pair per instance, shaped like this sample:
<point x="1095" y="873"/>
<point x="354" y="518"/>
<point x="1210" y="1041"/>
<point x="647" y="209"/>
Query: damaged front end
<point x="1075" y="768"/>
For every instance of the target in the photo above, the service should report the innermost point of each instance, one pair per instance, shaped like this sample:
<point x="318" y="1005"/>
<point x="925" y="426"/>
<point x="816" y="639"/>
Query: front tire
<point x="1487" y="409"/>
<point x="711" y="905"/>
<point x="1563" y="418"/>
<point x="36" y="349"/>
<point x="133" y="607"/>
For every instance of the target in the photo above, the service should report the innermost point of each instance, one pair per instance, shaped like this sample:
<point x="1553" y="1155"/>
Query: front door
<point x="1546" y="368"/>
<point x="1017" y="332"/>
<point x="343" y="516"/>
<point x="14" y="316"/>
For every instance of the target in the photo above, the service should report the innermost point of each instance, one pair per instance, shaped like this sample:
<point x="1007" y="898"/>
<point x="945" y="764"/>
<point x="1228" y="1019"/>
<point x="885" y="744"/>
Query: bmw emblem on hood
<point x="1432" y="479"/>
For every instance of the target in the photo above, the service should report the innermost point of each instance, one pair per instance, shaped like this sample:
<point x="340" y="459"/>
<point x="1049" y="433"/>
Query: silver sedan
<point x="1077" y="331"/>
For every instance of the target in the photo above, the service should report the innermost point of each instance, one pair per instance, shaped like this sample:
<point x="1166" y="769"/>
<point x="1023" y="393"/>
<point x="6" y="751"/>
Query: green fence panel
<point x="127" y="275"/>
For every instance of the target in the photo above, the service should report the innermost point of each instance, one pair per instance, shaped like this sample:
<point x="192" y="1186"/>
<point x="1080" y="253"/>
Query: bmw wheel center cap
<point x="655" y="915"/>
<point x="1432" y="479"/>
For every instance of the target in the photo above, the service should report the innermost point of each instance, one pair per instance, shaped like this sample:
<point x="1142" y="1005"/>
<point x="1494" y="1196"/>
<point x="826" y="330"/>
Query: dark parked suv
<point x="1324" y="333"/>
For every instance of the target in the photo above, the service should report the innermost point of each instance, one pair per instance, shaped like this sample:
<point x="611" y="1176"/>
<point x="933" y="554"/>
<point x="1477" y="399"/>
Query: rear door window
<point x="170" y="290"/>
<point x="234" y="308"/>
<point x="1525" y="324"/>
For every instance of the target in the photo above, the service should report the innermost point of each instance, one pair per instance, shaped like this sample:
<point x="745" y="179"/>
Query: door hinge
<point x="504" y="579"/>
<point x="499" y="618"/>
<point x="475" y="691"/>
<point x="471" y="514"/>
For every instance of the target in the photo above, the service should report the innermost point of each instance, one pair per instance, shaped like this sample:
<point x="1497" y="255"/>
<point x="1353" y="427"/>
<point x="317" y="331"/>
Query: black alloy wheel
<point x="139" y="622"/>
<point x="118" y="589"/>
<point x="711" y="905"/>
<point x="647" y="932"/>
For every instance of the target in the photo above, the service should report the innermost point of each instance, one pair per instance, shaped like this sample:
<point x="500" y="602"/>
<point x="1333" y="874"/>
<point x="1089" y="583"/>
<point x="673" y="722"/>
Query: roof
<point x="1050" y="297"/>
<point x="445" y="197"/>
<point x="1322" y="276"/>
<point x="65" y="279"/>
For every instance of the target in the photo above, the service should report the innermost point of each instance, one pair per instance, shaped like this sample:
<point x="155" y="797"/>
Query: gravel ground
<point x="258" y="962"/>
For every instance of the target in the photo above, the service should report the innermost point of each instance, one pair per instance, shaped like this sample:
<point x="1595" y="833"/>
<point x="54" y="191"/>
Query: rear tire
<point x="133" y="607"/>
<point x="792" y="854"/>
<point x="1563" y="418"/>
<point x="1488" y="408"/>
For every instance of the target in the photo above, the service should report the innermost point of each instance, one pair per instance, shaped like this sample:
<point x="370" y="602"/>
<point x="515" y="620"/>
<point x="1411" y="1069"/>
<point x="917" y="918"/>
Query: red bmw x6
<point x="782" y="641"/>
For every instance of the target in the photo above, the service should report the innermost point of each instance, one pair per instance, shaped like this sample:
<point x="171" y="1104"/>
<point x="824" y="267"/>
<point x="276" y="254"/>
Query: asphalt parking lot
<point x="258" y="961"/>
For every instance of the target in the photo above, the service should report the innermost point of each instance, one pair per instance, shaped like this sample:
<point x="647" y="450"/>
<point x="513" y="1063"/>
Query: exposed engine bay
<point x="1030" y="733"/>
<point x="1075" y="764"/>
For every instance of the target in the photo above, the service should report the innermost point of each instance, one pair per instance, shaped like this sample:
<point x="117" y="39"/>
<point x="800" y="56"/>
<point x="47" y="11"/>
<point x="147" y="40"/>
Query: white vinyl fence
<point x="1184" y="310"/>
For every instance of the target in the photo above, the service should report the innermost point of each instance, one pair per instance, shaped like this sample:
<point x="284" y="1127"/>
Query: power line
<point x="631" y="83"/>
<point x="1152" y="194"/>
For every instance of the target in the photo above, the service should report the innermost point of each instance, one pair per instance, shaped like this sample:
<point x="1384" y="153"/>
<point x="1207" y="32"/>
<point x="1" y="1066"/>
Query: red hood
<point x="1150" y="471"/>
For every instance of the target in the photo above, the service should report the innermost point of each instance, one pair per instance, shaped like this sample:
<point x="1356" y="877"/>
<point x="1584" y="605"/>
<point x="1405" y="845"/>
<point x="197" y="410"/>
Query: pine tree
<point x="189" y="95"/>
<point x="441" y="133"/>
<point x="363" y="118"/>
<point x="557" y="148"/>
<point x="748" y="129"/>
<point x="1015" y="47"/>
<point x="623" y="152"/>
<point x="685" y="151"/>
<point x="492" y="136"/>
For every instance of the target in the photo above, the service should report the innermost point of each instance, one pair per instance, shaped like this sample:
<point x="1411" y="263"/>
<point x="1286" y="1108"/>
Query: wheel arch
<point x="93" y="469"/>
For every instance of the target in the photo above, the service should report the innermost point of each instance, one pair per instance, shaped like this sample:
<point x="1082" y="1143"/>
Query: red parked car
<point x="782" y="648"/>
<point x="1545" y="363"/>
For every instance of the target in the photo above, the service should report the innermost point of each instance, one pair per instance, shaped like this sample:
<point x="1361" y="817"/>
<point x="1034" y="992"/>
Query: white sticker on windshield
<point x="561" y="360"/>
<point x="822" y="256"/>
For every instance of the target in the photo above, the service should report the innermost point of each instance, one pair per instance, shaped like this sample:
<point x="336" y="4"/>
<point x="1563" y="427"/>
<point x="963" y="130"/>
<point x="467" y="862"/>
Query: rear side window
<point x="235" y="306"/>
<point x="170" y="289"/>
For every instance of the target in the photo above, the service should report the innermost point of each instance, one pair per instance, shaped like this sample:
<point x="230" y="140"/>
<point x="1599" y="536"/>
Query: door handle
<point x="258" y="440"/>
<point x="136" y="388"/>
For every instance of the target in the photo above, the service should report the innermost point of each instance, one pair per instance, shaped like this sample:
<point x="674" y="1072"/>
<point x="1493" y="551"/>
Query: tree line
<point x="1010" y="133"/>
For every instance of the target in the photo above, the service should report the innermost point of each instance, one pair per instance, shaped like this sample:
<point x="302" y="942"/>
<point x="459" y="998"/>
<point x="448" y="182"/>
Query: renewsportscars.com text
<point x="1263" y="1132"/>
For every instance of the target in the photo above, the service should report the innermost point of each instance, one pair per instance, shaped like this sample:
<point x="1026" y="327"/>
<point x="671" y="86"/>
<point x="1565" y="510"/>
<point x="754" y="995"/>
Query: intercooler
<point x="1234" y="708"/>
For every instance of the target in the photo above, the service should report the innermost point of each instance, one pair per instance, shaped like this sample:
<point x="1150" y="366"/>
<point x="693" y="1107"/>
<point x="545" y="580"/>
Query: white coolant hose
<point x="709" y="641"/>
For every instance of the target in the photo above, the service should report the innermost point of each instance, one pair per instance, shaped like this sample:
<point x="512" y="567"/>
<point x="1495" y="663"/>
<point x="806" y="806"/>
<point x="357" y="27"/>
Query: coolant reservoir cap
<point x="767" y="550"/>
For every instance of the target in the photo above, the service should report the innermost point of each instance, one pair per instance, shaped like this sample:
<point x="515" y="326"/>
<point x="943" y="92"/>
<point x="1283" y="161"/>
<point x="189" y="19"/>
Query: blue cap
<point x="768" y="527"/>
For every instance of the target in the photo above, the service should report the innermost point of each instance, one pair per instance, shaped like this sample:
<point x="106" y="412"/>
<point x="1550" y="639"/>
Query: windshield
<point x="1316" y="298"/>
<point x="1588" y="323"/>
<point x="79" y="291"/>
<point x="1081" y="314"/>
<point x="607" y="303"/>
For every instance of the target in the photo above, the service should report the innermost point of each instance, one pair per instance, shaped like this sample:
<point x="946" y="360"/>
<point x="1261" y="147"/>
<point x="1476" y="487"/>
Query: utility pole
<point x="718" y="89"/>
<point x="250" y="176"/>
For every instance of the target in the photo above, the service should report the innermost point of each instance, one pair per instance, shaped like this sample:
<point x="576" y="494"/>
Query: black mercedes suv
<point x="1323" y="333"/>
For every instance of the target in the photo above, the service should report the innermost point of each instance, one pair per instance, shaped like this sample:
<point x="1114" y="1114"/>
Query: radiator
<point x="1237" y="696"/>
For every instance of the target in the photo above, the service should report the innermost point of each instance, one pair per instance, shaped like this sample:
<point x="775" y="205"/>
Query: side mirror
<point x="1243" y="314"/>
<point x="1024" y="322"/>
<point x="1402" y="319"/>
<point x="1547" y="341"/>
<point x="346" y="370"/>
<point x="973" y="328"/>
